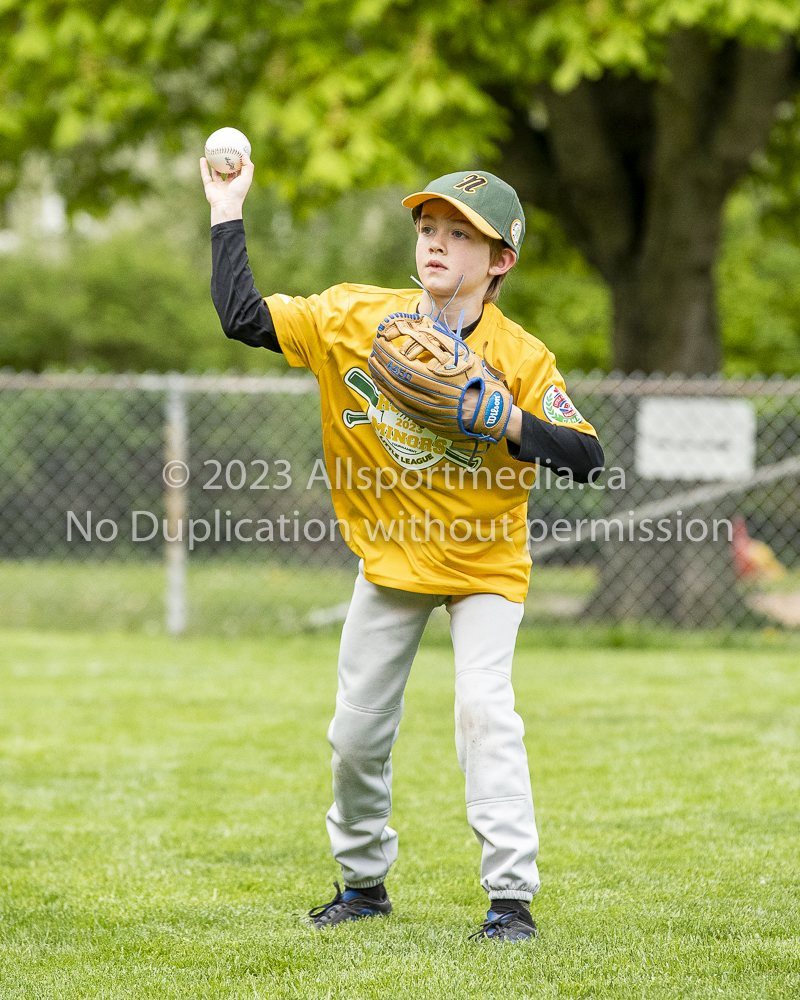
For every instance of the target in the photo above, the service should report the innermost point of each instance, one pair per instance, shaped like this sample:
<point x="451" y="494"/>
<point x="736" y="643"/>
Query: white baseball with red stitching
<point x="224" y="150"/>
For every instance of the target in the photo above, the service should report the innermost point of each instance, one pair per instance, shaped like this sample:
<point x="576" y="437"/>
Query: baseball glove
<point x="425" y="370"/>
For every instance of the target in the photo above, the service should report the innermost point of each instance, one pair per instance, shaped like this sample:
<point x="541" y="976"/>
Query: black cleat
<point x="348" y="905"/>
<point x="510" y="921"/>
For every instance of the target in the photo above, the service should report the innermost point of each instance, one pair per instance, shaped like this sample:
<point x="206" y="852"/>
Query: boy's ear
<point x="507" y="260"/>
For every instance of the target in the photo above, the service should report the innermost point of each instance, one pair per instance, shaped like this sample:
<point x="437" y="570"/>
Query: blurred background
<point x="655" y="149"/>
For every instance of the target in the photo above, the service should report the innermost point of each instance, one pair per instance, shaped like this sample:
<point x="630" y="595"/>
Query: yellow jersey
<point x="423" y="515"/>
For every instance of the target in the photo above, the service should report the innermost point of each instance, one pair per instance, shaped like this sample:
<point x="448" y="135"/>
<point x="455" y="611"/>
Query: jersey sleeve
<point x="307" y="328"/>
<point x="540" y="389"/>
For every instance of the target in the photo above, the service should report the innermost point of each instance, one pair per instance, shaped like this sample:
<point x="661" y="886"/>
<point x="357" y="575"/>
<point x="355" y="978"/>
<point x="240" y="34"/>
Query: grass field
<point x="224" y="597"/>
<point x="162" y="825"/>
<point x="262" y="599"/>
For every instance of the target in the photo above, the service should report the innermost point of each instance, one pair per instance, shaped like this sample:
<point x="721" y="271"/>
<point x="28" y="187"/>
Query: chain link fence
<point x="693" y="523"/>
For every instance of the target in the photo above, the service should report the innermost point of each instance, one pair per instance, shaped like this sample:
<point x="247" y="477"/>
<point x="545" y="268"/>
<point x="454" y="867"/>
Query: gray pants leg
<point x="379" y="641"/>
<point x="489" y="743"/>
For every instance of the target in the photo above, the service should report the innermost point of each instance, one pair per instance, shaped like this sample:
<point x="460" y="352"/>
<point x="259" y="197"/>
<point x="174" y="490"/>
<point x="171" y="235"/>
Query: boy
<point x="451" y="541"/>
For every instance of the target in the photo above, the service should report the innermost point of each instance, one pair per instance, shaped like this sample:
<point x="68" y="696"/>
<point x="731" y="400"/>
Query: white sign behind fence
<point x="708" y="439"/>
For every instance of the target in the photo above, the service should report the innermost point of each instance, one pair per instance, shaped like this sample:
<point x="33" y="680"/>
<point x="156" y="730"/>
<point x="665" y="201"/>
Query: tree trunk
<point x="671" y="327"/>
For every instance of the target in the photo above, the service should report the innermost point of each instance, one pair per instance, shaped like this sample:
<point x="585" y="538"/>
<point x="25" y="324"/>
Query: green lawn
<point x="162" y="825"/>
<point x="224" y="597"/>
<point x="269" y="599"/>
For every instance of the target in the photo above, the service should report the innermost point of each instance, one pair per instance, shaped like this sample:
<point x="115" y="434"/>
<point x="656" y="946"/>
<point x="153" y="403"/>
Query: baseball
<point x="224" y="149"/>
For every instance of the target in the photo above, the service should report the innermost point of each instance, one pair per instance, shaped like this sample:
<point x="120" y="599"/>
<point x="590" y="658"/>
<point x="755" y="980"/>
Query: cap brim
<point x="469" y="213"/>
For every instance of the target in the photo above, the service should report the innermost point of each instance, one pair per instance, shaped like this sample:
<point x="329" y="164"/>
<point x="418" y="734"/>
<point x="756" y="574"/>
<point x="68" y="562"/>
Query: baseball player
<point x="433" y="523"/>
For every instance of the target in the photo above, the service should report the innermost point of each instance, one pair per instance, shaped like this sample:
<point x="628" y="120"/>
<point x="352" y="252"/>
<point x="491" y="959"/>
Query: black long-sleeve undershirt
<point x="245" y="316"/>
<point x="242" y="311"/>
<point x="563" y="449"/>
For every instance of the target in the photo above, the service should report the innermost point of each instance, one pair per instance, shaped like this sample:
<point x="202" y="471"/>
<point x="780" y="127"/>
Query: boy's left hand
<point x="514" y="428"/>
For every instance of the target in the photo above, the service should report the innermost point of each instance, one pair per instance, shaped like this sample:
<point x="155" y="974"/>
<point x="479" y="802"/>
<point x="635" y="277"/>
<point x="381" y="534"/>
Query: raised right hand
<point x="226" y="197"/>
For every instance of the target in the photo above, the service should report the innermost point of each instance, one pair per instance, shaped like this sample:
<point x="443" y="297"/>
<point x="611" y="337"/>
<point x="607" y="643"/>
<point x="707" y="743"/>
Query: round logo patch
<point x="558" y="407"/>
<point x="516" y="231"/>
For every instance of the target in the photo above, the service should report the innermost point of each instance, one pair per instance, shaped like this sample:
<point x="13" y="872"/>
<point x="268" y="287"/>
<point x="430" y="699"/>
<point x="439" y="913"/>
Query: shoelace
<point x="320" y="911"/>
<point x="488" y="925"/>
<point x="496" y="923"/>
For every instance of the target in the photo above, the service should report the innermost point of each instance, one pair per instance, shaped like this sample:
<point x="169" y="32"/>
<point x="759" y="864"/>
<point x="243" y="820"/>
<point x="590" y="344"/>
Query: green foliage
<point x="127" y="303"/>
<point x="365" y="237"/>
<point x="759" y="294"/>
<point x="139" y="300"/>
<point x="336" y="96"/>
<point x="776" y="177"/>
<point x="554" y="295"/>
<point x="369" y="238"/>
<point x="333" y="94"/>
<point x="571" y="40"/>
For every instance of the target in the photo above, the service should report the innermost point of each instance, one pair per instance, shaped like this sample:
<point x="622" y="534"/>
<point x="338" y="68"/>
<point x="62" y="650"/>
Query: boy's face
<point x="449" y="246"/>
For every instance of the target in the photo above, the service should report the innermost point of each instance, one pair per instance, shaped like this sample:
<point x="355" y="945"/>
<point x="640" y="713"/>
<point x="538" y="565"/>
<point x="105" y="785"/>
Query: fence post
<point x="176" y="477"/>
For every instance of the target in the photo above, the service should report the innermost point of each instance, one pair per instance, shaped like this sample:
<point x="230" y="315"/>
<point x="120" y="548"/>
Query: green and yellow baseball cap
<point x="491" y="205"/>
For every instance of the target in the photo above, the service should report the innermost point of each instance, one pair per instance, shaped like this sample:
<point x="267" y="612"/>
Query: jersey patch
<point x="411" y="446"/>
<point x="558" y="407"/>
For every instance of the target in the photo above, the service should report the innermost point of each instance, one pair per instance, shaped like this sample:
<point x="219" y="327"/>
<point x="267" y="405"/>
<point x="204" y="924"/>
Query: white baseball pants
<point x="379" y="641"/>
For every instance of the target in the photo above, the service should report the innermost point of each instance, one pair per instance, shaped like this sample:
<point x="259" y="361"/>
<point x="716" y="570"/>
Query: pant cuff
<point x="526" y="897"/>
<point x="362" y="883"/>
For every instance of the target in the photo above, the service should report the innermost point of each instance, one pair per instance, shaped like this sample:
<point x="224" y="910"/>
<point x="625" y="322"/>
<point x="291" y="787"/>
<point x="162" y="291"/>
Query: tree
<point x="638" y="171"/>
<point x="630" y="122"/>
